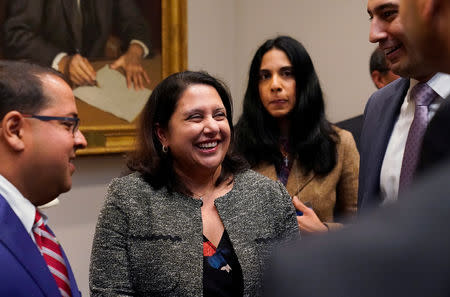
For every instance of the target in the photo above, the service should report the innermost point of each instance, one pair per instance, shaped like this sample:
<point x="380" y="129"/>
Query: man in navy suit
<point x="390" y="111"/>
<point x="38" y="139"/>
<point x="403" y="249"/>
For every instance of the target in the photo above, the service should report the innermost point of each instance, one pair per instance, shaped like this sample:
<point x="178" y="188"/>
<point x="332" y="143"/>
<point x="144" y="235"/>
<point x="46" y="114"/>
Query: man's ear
<point x="438" y="12"/>
<point x="161" y="133"/>
<point x="377" y="79"/>
<point x="430" y="9"/>
<point x="12" y="130"/>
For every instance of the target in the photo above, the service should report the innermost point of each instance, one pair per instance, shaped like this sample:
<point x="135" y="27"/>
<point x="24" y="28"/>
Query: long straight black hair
<point x="311" y="139"/>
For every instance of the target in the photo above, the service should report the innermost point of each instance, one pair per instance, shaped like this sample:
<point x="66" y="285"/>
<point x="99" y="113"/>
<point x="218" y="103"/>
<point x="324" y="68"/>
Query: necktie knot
<point x="423" y="94"/>
<point x="38" y="221"/>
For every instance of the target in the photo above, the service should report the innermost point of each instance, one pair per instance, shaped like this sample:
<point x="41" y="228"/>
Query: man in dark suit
<point x="401" y="250"/>
<point x="427" y="26"/>
<point x="381" y="76"/>
<point x="64" y="34"/>
<point x="38" y="139"/>
<point x="389" y="113"/>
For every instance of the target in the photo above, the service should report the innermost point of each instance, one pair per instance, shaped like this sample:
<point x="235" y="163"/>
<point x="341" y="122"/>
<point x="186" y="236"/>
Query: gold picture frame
<point x="114" y="135"/>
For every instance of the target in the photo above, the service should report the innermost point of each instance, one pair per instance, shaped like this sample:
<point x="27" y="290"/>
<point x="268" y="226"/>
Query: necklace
<point x="285" y="158"/>
<point x="284" y="151"/>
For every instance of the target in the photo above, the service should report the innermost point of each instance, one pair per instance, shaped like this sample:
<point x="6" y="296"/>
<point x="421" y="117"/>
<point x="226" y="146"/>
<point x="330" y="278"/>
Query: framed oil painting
<point x="106" y="132"/>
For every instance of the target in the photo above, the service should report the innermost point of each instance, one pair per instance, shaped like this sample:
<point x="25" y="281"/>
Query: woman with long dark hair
<point x="284" y="134"/>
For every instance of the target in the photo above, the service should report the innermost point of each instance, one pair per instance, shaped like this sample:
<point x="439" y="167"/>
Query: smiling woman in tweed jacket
<point x="192" y="220"/>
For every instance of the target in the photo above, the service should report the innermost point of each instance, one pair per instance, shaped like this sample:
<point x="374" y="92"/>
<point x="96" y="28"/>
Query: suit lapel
<point x="297" y="180"/>
<point x="383" y="117"/>
<point x="18" y="241"/>
<point x="387" y="117"/>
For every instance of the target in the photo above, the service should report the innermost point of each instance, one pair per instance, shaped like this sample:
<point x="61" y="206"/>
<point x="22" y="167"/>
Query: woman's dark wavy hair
<point x="148" y="159"/>
<point x="312" y="139"/>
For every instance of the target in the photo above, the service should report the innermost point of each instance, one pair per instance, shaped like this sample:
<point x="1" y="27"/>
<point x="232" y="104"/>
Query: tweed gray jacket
<point x="149" y="242"/>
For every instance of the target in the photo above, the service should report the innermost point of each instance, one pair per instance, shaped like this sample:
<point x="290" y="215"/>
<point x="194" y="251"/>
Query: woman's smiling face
<point x="198" y="132"/>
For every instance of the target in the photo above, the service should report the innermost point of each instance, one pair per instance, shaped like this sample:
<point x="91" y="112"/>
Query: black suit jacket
<point x="40" y="29"/>
<point x="354" y="125"/>
<point x="380" y="115"/>
<point x="400" y="250"/>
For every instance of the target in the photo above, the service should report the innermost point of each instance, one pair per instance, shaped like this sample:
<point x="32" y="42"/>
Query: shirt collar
<point x="21" y="206"/>
<point x="440" y="83"/>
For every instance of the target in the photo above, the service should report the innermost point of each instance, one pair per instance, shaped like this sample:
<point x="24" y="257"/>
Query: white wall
<point x="335" y="33"/>
<point x="74" y="219"/>
<point x="223" y="36"/>
<point x="212" y="35"/>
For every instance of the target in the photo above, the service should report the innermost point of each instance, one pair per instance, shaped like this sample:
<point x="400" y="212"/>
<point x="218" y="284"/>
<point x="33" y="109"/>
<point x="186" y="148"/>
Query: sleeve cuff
<point x="57" y="59"/>
<point x="144" y="47"/>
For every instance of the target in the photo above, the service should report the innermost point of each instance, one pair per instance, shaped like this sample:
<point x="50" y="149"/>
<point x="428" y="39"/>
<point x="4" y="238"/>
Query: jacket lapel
<point x="18" y="241"/>
<point x="297" y="180"/>
<point x="388" y="116"/>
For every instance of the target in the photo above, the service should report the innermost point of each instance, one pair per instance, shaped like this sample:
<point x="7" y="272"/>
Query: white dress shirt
<point x="21" y="206"/>
<point x="392" y="163"/>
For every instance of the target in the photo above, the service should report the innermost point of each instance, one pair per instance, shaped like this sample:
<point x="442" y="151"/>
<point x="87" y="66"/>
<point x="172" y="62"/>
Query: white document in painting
<point x="113" y="96"/>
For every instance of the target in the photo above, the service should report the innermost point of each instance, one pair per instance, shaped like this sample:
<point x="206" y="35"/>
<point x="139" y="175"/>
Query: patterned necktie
<point x="423" y="95"/>
<point x="50" y="250"/>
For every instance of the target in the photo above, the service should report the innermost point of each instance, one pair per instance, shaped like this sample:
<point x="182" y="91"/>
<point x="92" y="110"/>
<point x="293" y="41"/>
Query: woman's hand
<point x="309" y="222"/>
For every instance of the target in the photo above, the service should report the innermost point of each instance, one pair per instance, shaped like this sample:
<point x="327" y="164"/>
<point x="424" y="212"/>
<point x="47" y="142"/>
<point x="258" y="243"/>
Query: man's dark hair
<point x="378" y="61"/>
<point x="21" y="86"/>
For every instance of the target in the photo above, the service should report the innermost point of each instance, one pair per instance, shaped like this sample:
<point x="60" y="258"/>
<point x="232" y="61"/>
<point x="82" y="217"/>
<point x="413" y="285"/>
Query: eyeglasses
<point x="72" y="122"/>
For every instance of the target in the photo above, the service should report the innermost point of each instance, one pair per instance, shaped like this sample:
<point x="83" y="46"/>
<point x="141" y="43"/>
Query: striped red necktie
<point x="51" y="251"/>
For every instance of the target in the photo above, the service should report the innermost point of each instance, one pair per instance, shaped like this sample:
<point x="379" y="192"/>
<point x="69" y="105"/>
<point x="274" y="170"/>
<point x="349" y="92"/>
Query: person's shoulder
<point x="133" y="191"/>
<point x="397" y="86"/>
<point x="342" y="133"/>
<point x="250" y="181"/>
<point x="133" y="183"/>
<point x="132" y="179"/>
<point x="345" y="136"/>
<point x="251" y="177"/>
<point x="386" y="98"/>
<point x="261" y="191"/>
